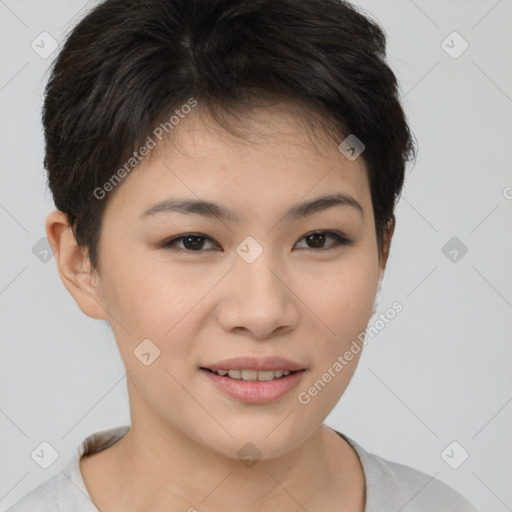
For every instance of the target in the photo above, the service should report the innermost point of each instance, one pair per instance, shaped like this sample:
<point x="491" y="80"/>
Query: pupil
<point x="192" y="245"/>
<point x="316" y="241"/>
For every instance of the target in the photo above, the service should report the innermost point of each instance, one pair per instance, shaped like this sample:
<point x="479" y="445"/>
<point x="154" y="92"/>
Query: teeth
<point x="263" y="375"/>
<point x="250" y="374"/>
<point x="253" y="375"/>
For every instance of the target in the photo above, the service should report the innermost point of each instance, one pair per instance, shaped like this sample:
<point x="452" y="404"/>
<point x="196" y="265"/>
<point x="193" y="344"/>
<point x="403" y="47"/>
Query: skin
<point x="296" y="300"/>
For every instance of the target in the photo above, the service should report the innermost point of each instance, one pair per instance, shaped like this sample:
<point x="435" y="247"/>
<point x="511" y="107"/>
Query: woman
<point x="225" y="174"/>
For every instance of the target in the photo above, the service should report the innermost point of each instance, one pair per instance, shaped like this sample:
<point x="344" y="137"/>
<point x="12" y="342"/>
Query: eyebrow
<point x="214" y="210"/>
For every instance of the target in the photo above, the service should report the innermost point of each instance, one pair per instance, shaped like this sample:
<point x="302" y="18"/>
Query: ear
<point x="386" y="244"/>
<point x="74" y="266"/>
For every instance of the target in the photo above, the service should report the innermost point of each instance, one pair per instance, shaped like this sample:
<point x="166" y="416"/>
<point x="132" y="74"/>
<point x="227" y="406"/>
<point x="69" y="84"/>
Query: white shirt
<point x="390" y="486"/>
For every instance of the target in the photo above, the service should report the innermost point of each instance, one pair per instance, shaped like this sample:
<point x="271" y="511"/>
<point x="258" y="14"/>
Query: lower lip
<point x="255" y="392"/>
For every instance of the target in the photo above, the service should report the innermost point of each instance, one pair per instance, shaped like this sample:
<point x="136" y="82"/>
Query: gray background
<point x="438" y="373"/>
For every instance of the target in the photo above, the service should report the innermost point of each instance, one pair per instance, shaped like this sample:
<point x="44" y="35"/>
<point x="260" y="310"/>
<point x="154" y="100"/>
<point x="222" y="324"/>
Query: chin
<point x="258" y="440"/>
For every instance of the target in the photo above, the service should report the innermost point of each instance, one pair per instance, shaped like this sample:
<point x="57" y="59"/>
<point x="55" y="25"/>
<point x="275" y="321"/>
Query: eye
<point x="192" y="242"/>
<point x="317" y="239"/>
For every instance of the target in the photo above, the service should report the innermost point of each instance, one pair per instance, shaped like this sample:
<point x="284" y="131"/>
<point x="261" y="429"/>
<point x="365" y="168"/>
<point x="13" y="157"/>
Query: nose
<point x="258" y="300"/>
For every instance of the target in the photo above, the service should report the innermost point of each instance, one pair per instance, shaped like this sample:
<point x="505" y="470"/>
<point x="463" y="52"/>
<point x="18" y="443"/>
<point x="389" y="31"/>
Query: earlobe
<point x="74" y="266"/>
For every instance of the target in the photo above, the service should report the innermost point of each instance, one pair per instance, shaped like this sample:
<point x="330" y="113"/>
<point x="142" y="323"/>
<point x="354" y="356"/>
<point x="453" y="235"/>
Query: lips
<point x="254" y="380"/>
<point x="254" y="392"/>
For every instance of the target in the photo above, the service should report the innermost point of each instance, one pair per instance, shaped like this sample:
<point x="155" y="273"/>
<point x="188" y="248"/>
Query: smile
<point x="252" y="375"/>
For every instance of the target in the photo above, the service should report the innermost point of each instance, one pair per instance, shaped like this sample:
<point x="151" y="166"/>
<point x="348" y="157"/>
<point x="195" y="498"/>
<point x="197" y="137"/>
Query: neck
<point x="156" y="466"/>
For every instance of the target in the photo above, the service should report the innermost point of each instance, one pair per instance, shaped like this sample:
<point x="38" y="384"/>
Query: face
<point x="261" y="283"/>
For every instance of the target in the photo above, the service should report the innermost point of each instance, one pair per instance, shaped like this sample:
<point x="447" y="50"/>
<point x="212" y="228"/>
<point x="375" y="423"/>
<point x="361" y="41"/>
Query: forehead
<point x="278" y="161"/>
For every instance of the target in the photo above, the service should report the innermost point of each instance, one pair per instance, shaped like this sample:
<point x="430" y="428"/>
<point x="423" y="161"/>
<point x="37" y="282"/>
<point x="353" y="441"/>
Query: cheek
<point x="345" y="298"/>
<point x="162" y="302"/>
<point x="148" y="297"/>
<point x="344" y="303"/>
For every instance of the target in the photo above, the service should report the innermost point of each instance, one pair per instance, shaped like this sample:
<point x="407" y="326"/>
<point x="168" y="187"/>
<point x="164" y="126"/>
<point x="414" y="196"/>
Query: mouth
<point x="254" y="380"/>
<point x="253" y="386"/>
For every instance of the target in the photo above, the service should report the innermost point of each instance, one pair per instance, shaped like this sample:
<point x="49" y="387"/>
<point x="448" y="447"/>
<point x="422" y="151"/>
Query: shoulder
<point x="57" y="494"/>
<point x="418" y="491"/>
<point x="42" y="498"/>
<point x="66" y="490"/>
<point x="393" y="486"/>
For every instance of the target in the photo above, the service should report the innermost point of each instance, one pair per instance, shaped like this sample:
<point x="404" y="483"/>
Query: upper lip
<point x="255" y="363"/>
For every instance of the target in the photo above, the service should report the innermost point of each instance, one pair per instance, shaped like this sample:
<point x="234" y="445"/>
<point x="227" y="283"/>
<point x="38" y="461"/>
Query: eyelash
<point x="340" y="241"/>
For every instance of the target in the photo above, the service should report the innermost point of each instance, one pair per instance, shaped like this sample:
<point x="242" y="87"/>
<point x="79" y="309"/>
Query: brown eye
<point x="191" y="242"/>
<point x="194" y="242"/>
<point x="317" y="240"/>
